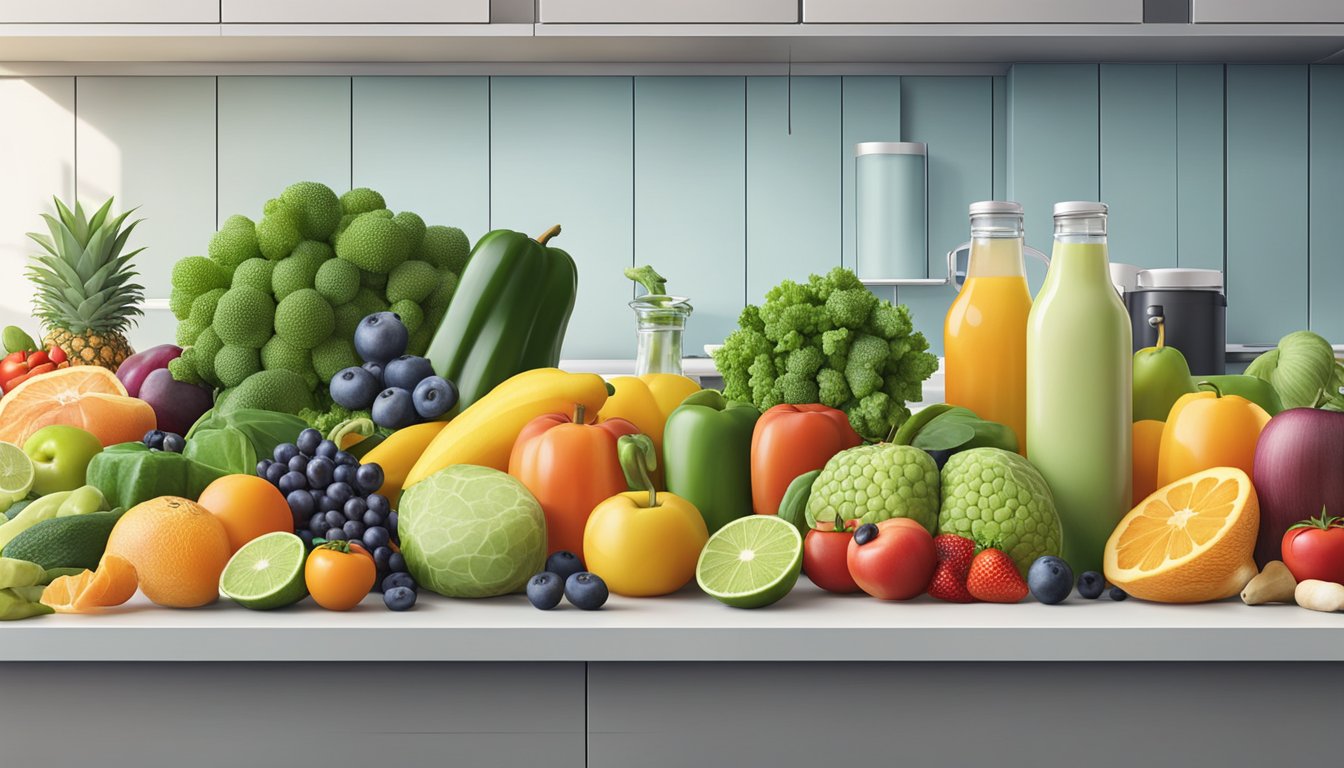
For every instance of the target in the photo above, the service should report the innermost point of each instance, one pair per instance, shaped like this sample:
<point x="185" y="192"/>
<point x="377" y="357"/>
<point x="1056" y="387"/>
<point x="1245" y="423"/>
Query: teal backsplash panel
<point x="729" y="184"/>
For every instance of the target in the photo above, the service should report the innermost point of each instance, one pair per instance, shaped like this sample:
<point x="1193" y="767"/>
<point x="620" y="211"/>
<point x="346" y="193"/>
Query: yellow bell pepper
<point x="1206" y="430"/>
<point x="484" y="433"/>
<point x="646" y="401"/>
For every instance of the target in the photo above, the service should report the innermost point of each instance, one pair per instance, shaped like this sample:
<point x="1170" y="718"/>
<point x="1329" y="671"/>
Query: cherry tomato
<point x="824" y="557"/>
<point x="57" y="355"/>
<point x="38" y="358"/>
<point x="339" y="576"/>
<point x="897" y="563"/>
<point x="1314" y="549"/>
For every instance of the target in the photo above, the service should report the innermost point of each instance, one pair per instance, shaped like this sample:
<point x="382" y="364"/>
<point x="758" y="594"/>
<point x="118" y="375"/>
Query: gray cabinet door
<point x="356" y="11"/>
<point x="105" y="11"/>
<point x="973" y="11"/>
<point x="668" y="11"/>
<point x="1264" y="12"/>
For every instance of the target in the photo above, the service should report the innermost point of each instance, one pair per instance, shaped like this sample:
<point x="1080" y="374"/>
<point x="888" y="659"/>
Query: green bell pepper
<point x="508" y="315"/>
<point x="1253" y="388"/>
<point x="707" y="455"/>
<point x="129" y="473"/>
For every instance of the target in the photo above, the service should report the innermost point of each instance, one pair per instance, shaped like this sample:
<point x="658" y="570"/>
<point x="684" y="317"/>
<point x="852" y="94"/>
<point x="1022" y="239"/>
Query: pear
<point x="1161" y="376"/>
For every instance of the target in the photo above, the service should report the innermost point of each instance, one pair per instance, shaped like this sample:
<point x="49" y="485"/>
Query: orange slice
<point x="85" y="396"/>
<point x="1188" y="542"/>
<point x="112" y="584"/>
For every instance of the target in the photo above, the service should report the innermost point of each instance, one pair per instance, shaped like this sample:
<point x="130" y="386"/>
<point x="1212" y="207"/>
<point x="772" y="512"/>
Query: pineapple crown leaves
<point x="84" y="280"/>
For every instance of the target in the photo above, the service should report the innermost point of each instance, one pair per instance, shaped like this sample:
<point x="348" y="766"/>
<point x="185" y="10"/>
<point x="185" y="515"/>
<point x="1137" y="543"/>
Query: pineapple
<point x="85" y="296"/>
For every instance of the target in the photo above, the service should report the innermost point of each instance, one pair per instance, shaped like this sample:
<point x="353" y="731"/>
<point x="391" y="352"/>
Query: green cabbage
<point x="1302" y="369"/>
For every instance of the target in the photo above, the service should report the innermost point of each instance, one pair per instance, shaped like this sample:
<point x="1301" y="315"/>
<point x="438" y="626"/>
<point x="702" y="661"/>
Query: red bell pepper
<point x="790" y="440"/>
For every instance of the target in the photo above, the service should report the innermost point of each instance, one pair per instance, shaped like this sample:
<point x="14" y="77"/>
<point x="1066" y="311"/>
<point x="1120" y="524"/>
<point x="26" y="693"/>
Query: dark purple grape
<point x="392" y="523"/>
<point x="396" y="563"/>
<point x="319" y="472"/>
<point x="399" y="598"/>
<point x="375" y="537"/>
<point x="307" y="537"/>
<point x="292" y="481"/>
<point x="378" y="503"/>
<point x="372" y="518"/>
<point x="369" y="478"/>
<point x="401" y="579"/>
<point x="335" y="534"/>
<point x="345" y="459"/>
<point x="284" y="452"/>
<point x="334" y="519"/>
<point x="381" y="556"/>
<point x="308" y="441"/>
<point x="328" y="504"/>
<point x="318" y="523"/>
<point x="301" y="504"/>
<point x="354" y="509"/>
<point x="353" y="529"/>
<point x="327" y="449"/>
<point x="340" y="492"/>
<point x="298" y="464"/>
<point x="344" y="473"/>
<point x="262" y="466"/>
<point x="275" y="472"/>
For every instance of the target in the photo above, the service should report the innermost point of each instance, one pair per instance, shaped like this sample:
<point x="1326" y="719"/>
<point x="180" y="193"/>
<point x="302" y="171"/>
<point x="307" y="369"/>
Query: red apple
<point x="893" y="561"/>
<point x="1299" y="470"/>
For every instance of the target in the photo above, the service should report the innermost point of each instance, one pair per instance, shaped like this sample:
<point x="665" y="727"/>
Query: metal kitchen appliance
<point x="1190" y="302"/>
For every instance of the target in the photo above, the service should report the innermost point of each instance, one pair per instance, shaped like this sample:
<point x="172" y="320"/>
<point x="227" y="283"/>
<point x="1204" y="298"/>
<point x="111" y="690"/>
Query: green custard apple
<point x="872" y="483"/>
<point x="998" y="498"/>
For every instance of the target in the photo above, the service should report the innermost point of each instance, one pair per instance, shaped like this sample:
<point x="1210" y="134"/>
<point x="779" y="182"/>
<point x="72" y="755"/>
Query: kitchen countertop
<point x="689" y="626"/>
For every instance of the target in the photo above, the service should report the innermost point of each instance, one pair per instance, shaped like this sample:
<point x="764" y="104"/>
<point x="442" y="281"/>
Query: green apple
<point x="1161" y="377"/>
<point x="61" y="456"/>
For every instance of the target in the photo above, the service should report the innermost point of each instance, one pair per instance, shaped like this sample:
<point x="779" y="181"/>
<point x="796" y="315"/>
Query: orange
<point x="1188" y="542"/>
<point x="248" y="506"/>
<point x="112" y="584"/>
<point x="1147" y="440"/>
<point x="178" y="550"/>
<point x="85" y="396"/>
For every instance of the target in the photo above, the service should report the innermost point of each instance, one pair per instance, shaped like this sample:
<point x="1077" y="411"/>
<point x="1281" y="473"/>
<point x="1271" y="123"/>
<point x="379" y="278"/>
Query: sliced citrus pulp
<point x="112" y="584"/>
<point x="85" y="396"/>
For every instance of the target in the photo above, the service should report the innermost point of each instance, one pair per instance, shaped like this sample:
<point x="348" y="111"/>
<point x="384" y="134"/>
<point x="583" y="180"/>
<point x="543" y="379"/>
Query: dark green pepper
<point x="129" y="473"/>
<point x="707" y="455"/>
<point x="508" y="315"/>
<point x="1253" y="388"/>
<point x="793" y="507"/>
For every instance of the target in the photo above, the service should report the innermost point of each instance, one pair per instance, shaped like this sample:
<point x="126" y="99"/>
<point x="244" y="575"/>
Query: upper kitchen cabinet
<point x="355" y="12"/>
<point x="104" y="12"/>
<point x="667" y="12"/>
<point x="1261" y="12"/>
<point x="975" y="11"/>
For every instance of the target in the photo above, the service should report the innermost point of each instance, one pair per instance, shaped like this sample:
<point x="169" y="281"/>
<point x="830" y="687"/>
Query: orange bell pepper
<point x="646" y="401"/>
<point x="1147" y="445"/>
<point x="570" y="466"/>
<point x="1206" y="430"/>
<point x="790" y="440"/>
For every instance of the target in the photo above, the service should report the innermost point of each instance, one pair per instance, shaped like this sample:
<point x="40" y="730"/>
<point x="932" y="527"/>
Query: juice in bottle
<point x="985" y="333"/>
<point x="1078" y="386"/>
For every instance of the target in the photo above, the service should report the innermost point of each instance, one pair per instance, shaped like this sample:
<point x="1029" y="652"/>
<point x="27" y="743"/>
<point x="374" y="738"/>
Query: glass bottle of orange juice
<point x="985" y="333"/>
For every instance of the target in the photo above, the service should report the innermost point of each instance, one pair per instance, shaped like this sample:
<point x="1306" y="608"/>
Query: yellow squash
<point x="399" y="452"/>
<point x="484" y="433"/>
<point x="646" y="401"/>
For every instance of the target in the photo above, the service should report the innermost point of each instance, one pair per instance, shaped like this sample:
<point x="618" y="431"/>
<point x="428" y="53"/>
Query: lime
<point x="16" y="473"/>
<point x="266" y="573"/>
<point x="751" y="562"/>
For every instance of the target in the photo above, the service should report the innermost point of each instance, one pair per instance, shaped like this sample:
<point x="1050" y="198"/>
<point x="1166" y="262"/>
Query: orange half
<point x="85" y="396"/>
<point x="112" y="584"/>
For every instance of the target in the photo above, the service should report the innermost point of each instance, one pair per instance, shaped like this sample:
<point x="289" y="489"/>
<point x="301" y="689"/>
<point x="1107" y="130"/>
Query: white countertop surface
<point x="689" y="626"/>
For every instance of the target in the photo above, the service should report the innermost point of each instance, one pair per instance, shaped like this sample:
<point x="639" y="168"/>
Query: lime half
<point x="16" y="473"/>
<point x="266" y="573"/>
<point x="751" y="562"/>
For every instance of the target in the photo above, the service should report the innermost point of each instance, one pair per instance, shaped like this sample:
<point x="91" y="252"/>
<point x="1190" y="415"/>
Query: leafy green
<point x="829" y="340"/>
<point x="129" y="473"/>
<point x="1303" y="370"/>
<point x="960" y="429"/>
<point x="234" y="441"/>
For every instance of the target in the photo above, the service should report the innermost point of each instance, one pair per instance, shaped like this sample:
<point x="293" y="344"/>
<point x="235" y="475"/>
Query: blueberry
<point x="153" y="439"/>
<point x="354" y="388"/>
<point x="353" y="529"/>
<point x="354" y="508"/>
<point x="380" y="337"/>
<point x="378" y="503"/>
<point x="545" y="590"/>
<point x="173" y="442"/>
<point x="396" y="563"/>
<point x="369" y="478"/>
<point x="564" y="564"/>
<point x="327" y="504"/>
<point x="1090" y="585"/>
<point x="318" y="523"/>
<point x="285" y="451"/>
<point x="340" y="492"/>
<point x="1118" y="594"/>
<point x="375" y="537"/>
<point x="866" y="533"/>
<point x="292" y="481"/>
<point x="372" y="518"/>
<point x="344" y="473"/>
<point x="399" y="599"/>
<point x="392" y="523"/>
<point x="406" y="372"/>
<point x="307" y="537"/>
<point x="394" y="580"/>
<point x="326" y="449"/>
<point x="1050" y="580"/>
<point x="334" y="518"/>
<point x="433" y="397"/>
<point x="301" y="504"/>
<point x="334" y="534"/>
<point x="380" y="557"/>
<point x="346" y="459"/>
<point x="262" y="466"/>
<point x="307" y="442"/>
<point x="393" y="409"/>
<point x="319" y="472"/>
<point x="298" y="463"/>
<point x="587" y="591"/>
<point x="275" y="472"/>
<point x="376" y="369"/>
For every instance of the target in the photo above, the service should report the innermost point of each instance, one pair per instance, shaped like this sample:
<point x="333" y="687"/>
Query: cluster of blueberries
<point x="397" y="389"/>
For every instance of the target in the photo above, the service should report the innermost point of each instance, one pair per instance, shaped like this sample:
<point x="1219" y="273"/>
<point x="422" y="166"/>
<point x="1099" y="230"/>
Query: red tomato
<point x="1314" y="549"/>
<point x="38" y="358"/>
<point x="824" y="558"/>
<point x="57" y="355"/>
<point x="897" y="563"/>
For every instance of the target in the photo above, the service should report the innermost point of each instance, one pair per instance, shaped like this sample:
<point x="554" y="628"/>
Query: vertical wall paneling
<point x="1266" y="202"/>
<point x="1199" y="165"/>
<point x="793" y="180"/>
<point x="561" y="152"/>
<point x="274" y="131"/>
<point x="1327" y="201"/>
<point x="1053" y="145"/>
<point x="690" y="195"/>
<point x="1138" y="161"/>
<point x="1000" y="86"/>
<point x="871" y="112"/>
<point x="424" y="143"/>
<point x="955" y="117"/>
<point x="150" y="142"/>
<point x="37" y="161"/>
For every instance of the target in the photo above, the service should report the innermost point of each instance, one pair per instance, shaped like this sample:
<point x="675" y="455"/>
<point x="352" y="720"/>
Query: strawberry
<point x="994" y="578"/>
<point x="955" y="554"/>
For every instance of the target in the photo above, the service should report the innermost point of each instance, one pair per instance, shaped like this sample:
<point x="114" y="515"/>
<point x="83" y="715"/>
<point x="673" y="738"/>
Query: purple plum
<point x="177" y="405"/>
<point x="135" y="369"/>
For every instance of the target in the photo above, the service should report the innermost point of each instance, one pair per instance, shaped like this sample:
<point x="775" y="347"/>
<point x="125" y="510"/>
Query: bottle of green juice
<point x="1078" y="386"/>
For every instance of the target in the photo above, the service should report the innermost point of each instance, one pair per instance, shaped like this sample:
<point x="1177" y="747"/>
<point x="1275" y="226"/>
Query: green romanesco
<point x="445" y="247"/>
<point x="828" y="340"/>
<point x="278" y="233"/>
<point x="184" y="370"/>
<point x="410" y="313"/>
<point x="234" y="364"/>
<point x="298" y="270"/>
<point x="244" y="317"/>
<point x="413" y="281"/>
<point x="187" y="331"/>
<point x="203" y="308"/>
<point x="304" y="318"/>
<point x="282" y="391"/>
<point x="374" y="280"/>
<point x="279" y="354"/>
<point x="414" y="228"/>
<point x="195" y="275"/>
<point x="347" y="317"/>
<point x="374" y="243"/>
<point x="361" y="200"/>
<point x="332" y="355"/>
<point x="207" y="346"/>
<point x="316" y="208"/>
<point x="255" y="273"/>
<point x="234" y="243"/>
<point x="179" y="303"/>
<point x="337" y="281"/>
